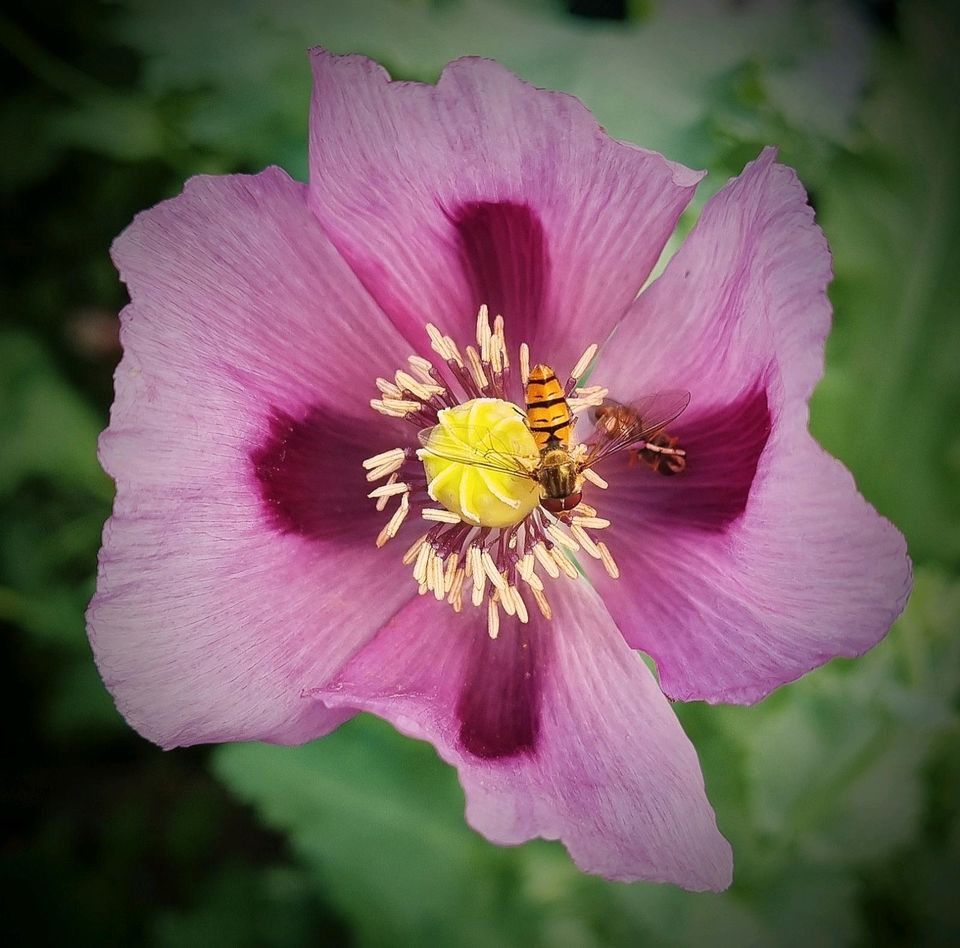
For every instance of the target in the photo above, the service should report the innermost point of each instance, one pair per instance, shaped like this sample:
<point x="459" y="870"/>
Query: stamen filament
<point x="378" y="460"/>
<point x="493" y="618"/>
<point x="414" y="551"/>
<point x="490" y="568"/>
<point x="546" y="560"/>
<point x="519" y="605"/>
<point x="565" y="565"/>
<point x="594" y="478"/>
<point x="388" y="388"/>
<point x="560" y="538"/>
<point x="524" y="364"/>
<point x="476" y="369"/>
<point x="506" y="600"/>
<point x="584" y="361"/>
<point x="484" y="335"/>
<point x="590" y="522"/>
<point x="585" y="541"/>
<point x="542" y="603"/>
<point x="420" y="567"/>
<point x="608" y="561"/>
<point x="439" y="514"/>
<point x="498" y="334"/>
<point x="394" y="523"/>
<point x="390" y="488"/>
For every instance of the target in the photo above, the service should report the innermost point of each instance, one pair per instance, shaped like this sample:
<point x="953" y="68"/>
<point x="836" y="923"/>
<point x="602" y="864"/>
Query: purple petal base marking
<point x="217" y="603"/>
<point x="723" y="448"/>
<point x="310" y="475"/>
<point x="505" y="261"/>
<point x="610" y="771"/>
<point x="393" y="163"/>
<point x="499" y="706"/>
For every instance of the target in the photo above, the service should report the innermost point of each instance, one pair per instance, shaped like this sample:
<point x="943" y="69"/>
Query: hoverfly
<point x="661" y="451"/>
<point x="559" y="470"/>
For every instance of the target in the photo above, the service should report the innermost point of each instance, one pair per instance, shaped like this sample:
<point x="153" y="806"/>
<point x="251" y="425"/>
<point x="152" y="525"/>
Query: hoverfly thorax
<point x="559" y="478"/>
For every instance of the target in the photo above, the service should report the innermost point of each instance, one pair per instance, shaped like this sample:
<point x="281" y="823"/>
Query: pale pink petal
<point x="239" y="565"/>
<point x="761" y="561"/>
<point x="557" y="730"/>
<point x="747" y="287"/>
<point x="483" y="189"/>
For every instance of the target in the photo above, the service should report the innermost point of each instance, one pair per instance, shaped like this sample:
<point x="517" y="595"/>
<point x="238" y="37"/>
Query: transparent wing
<point x="620" y="426"/>
<point x="463" y="445"/>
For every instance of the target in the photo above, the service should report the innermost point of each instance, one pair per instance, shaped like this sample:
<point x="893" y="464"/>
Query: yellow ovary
<point x="484" y="431"/>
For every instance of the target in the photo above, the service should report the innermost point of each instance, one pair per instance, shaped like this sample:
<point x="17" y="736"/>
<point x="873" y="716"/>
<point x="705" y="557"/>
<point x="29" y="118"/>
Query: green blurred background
<point x="839" y="793"/>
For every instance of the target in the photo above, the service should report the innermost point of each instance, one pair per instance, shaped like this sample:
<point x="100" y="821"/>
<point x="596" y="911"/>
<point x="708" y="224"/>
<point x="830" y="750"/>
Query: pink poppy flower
<point x="250" y="589"/>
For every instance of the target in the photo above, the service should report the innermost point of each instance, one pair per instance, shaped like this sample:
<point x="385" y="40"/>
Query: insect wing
<point x="459" y="444"/>
<point x="626" y="425"/>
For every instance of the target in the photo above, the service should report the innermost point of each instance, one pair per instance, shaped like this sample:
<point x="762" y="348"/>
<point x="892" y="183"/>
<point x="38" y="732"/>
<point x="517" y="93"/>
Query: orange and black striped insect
<point x="661" y="451"/>
<point x="560" y="468"/>
<point x="551" y="423"/>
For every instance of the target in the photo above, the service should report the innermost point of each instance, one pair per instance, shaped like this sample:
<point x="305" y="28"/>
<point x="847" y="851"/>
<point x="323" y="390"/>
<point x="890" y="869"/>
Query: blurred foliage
<point x="892" y="214"/>
<point x="839" y="793"/>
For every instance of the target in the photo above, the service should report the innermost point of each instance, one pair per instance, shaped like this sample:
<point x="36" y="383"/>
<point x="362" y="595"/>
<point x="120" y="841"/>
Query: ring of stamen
<point x="455" y="559"/>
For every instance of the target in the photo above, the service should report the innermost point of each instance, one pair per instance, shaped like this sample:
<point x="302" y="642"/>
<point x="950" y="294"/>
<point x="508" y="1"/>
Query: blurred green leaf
<point x="819" y="92"/>
<point x="381" y="819"/>
<point x="837" y="759"/>
<point x="245" y="907"/>
<point x="80" y="706"/>
<point x="123" y="125"/>
<point x="22" y="120"/>
<point x="807" y="905"/>
<point x="47" y="429"/>
<point x="889" y="406"/>
<point x="659" y="82"/>
<point x="665" y="916"/>
<point x="53" y="615"/>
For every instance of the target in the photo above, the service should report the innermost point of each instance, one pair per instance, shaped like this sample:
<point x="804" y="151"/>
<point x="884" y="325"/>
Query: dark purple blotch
<point x="499" y="706"/>
<point x="309" y="473"/>
<point x="505" y="260"/>
<point x="723" y="448"/>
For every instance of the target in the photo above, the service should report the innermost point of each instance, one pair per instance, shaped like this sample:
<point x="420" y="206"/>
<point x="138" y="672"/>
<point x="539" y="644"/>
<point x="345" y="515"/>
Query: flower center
<point x="508" y="482"/>
<point x="479" y="461"/>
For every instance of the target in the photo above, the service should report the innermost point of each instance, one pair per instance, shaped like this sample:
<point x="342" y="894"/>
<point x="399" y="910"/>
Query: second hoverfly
<point x="560" y="468"/>
<point x="661" y="451"/>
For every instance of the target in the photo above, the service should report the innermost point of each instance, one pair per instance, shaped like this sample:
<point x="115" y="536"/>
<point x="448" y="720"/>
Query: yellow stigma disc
<point x="488" y="432"/>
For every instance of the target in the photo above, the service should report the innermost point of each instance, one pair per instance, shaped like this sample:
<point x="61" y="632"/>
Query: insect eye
<point x="560" y="504"/>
